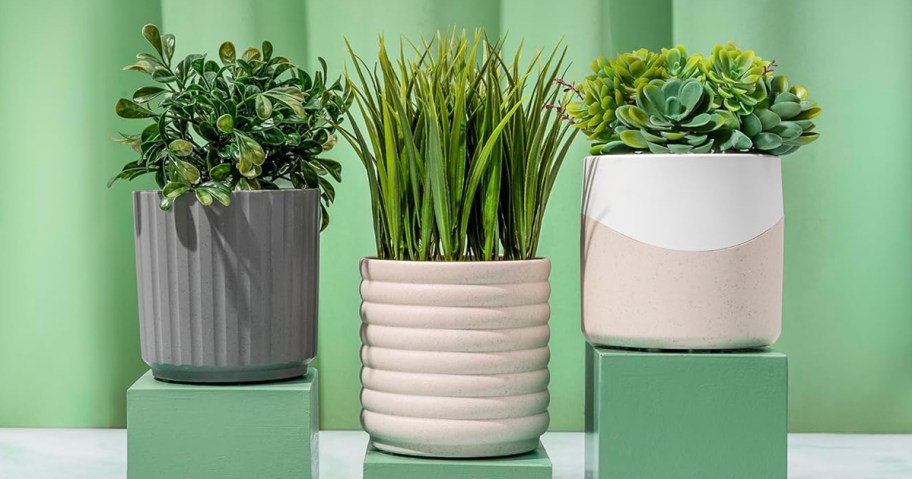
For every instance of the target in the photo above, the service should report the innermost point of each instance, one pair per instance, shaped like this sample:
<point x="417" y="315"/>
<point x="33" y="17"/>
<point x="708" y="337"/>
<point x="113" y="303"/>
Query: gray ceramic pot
<point x="228" y="294"/>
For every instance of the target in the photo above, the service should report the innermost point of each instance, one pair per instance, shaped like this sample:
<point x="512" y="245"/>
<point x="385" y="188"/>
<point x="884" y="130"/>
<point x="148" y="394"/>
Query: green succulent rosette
<point x="736" y="77"/>
<point x="613" y="83"/>
<point x="594" y="113"/>
<point x="670" y="116"/>
<point x="783" y="122"/>
<point x="679" y="65"/>
<point x="634" y="70"/>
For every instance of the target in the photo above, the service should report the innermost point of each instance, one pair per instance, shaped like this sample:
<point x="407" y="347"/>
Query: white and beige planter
<point x="455" y="356"/>
<point x="682" y="251"/>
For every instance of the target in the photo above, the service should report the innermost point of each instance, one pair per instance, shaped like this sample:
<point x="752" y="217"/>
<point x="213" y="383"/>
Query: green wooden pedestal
<point x="533" y="465"/>
<point x="262" y="431"/>
<point x="652" y="415"/>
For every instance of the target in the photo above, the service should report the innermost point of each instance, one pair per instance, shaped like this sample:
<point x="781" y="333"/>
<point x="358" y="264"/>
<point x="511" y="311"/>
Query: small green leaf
<point x="786" y="110"/>
<point x="788" y="130"/>
<point x="218" y="191"/>
<point x="167" y="41"/>
<point x="181" y="147"/>
<point x="751" y="125"/>
<point x="227" y="53"/>
<point x="220" y="172"/>
<point x="779" y="84"/>
<point x="204" y="196"/>
<point x="767" y="141"/>
<point x="187" y="171"/>
<point x="633" y="139"/>
<point x="250" y="54"/>
<point x="151" y="34"/>
<point x="130" y="109"/>
<point x="333" y="167"/>
<point x="807" y="115"/>
<point x="163" y="75"/>
<point x="225" y="123"/>
<point x="263" y="107"/>
<point x="251" y="155"/>
<point x="267" y="51"/>
<point x="143" y="66"/>
<point x="147" y="93"/>
<point x="804" y="139"/>
<point x="767" y="118"/>
<point x="166" y="204"/>
<point x="174" y="189"/>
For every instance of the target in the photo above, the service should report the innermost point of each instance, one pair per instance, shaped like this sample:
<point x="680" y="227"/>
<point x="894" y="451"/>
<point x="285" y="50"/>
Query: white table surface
<point x="101" y="454"/>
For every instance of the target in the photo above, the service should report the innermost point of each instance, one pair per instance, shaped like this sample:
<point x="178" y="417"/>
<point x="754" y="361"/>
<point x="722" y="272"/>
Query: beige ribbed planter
<point x="228" y="294"/>
<point x="455" y="356"/>
<point x="682" y="251"/>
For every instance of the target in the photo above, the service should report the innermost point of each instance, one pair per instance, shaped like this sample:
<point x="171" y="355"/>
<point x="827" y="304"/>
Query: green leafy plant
<point x="729" y="101"/>
<point x="250" y="122"/>
<point x="673" y="116"/>
<point x="614" y="83"/>
<point x="784" y="121"/>
<point x="736" y="77"/>
<point x="460" y="163"/>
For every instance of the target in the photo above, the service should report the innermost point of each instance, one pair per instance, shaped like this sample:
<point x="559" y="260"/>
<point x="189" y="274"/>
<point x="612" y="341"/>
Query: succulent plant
<point x="244" y="124"/>
<point x="634" y="70"/>
<point x="679" y="103"/>
<point x="679" y="65"/>
<point x="670" y="116"/>
<point x="736" y="77"/>
<point x="613" y="83"/>
<point x="593" y="113"/>
<point x="783" y="122"/>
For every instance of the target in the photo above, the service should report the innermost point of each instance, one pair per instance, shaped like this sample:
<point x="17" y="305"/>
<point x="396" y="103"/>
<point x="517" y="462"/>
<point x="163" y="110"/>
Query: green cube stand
<point x="685" y="415"/>
<point x="381" y="465"/>
<point x="184" y="431"/>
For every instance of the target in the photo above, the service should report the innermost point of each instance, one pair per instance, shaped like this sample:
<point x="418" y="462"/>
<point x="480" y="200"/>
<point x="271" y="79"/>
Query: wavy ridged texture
<point x="455" y="356"/>
<point x="228" y="294"/>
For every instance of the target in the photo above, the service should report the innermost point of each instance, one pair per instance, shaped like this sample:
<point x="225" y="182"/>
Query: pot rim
<point x="427" y="263"/>
<point x="684" y="156"/>
<point x="239" y="192"/>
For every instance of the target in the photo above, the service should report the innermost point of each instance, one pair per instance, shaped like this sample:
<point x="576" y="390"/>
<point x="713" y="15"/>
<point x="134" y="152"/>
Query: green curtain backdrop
<point x="68" y="326"/>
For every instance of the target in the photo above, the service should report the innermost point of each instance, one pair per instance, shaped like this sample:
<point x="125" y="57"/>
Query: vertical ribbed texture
<point x="228" y="287"/>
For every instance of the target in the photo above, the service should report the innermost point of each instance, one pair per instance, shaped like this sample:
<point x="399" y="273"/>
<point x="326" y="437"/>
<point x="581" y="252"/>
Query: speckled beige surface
<point x="638" y="295"/>
<point x="455" y="356"/>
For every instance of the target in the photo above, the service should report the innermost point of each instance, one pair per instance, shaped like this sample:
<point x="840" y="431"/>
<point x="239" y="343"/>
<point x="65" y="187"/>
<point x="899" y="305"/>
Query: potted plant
<point x="227" y="262"/>
<point x="455" y="304"/>
<point x="682" y="234"/>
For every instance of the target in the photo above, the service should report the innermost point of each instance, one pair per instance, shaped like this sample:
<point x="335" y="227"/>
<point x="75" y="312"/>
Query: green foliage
<point x="614" y="83"/>
<point x="736" y="77"/>
<point x="672" y="102"/>
<point x="674" y="116"/>
<point x="460" y="164"/>
<point x="784" y="121"/>
<point x="250" y="122"/>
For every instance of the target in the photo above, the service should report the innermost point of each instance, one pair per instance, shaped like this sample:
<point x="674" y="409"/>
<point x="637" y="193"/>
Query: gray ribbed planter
<point x="228" y="294"/>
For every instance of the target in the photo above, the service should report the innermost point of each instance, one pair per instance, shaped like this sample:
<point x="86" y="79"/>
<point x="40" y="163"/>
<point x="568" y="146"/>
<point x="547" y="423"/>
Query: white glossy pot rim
<point x="685" y="156"/>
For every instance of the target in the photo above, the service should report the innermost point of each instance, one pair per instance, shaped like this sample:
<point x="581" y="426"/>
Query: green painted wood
<point x="532" y="465"/>
<point x="263" y="431"/>
<point x="652" y="415"/>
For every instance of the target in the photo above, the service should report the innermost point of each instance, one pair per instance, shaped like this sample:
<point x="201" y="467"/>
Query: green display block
<point x="532" y="465"/>
<point x="678" y="415"/>
<point x="263" y="431"/>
